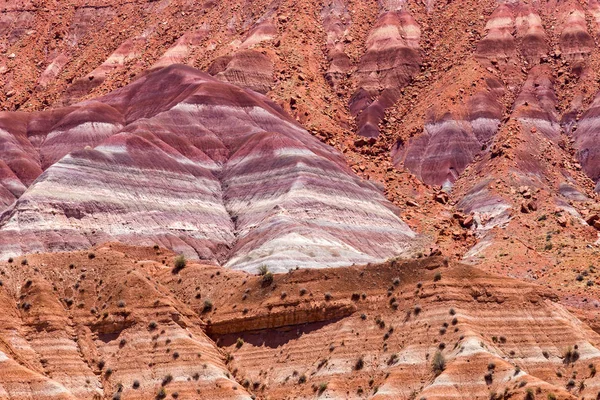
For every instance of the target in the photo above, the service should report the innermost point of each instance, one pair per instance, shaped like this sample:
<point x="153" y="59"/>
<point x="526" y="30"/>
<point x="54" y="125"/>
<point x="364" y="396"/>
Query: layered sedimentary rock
<point x="499" y="43"/>
<point x="451" y="141"/>
<point x="391" y="346"/>
<point x="575" y="41"/>
<point x="531" y="31"/>
<point x="247" y="66"/>
<point x="392" y="57"/>
<point x="180" y="51"/>
<point x="207" y="169"/>
<point x="88" y="328"/>
<point x="535" y="107"/>
<point x="127" y="51"/>
<point x="513" y="30"/>
<point x="118" y="321"/>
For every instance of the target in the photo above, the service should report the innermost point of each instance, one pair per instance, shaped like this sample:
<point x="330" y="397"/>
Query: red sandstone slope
<point x="117" y="321"/>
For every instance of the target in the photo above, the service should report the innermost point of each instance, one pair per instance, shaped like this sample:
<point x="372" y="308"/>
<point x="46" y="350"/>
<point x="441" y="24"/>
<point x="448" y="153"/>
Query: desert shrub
<point x="571" y="355"/>
<point x="322" y="387"/>
<point x="179" y="263"/>
<point x="263" y="270"/>
<point x="239" y="343"/>
<point x="208" y="305"/>
<point x="488" y="378"/>
<point x="437" y="276"/>
<point x="152" y="325"/>
<point x="328" y="296"/>
<point x="167" y="379"/>
<point x="267" y="278"/>
<point x="360" y="363"/>
<point x="571" y="383"/>
<point x="136" y="384"/>
<point x="161" y="394"/>
<point x="302" y="379"/>
<point x="546" y="354"/>
<point x="439" y="363"/>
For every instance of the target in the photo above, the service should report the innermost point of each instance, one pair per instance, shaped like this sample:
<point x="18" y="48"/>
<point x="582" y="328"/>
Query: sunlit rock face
<point x="203" y="167"/>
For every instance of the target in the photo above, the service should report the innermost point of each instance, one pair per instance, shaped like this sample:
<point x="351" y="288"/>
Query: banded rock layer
<point x="495" y="335"/>
<point x="124" y="324"/>
<point x="197" y="165"/>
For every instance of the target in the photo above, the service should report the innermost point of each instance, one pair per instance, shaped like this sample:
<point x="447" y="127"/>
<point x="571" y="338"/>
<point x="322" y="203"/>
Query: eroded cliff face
<point x="120" y="321"/>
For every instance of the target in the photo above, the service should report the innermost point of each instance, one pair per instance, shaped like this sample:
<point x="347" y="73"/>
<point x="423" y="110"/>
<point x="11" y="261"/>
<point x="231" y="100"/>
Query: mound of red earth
<point x="120" y="321"/>
<point x="205" y="168"/>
